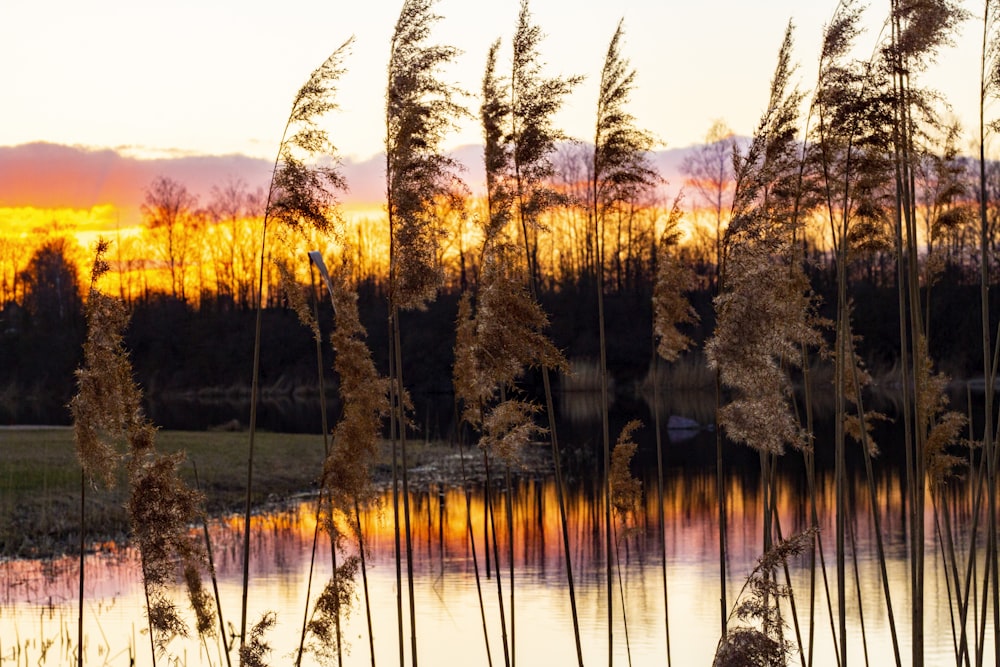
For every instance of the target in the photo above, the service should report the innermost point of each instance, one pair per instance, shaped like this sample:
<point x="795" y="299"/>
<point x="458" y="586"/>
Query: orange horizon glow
<point x="139" y="266"/>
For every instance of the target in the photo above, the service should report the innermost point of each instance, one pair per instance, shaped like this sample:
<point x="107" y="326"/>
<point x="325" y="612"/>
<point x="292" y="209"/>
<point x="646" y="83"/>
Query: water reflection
<point x="39" y="610"/>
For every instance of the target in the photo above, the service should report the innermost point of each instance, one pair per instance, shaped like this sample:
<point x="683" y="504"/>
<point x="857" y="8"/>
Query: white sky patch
<point x="218" y="77"/>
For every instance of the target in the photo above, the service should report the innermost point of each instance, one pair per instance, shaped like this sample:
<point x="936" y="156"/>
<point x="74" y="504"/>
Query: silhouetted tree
<point x="709" y="171"/>
<point x="169" y="210"/>
<point x="232" y="208"/>
<point x="52" y="286"/>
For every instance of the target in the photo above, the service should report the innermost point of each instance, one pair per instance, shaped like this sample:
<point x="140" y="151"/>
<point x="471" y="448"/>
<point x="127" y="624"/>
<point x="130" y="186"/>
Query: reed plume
<point x="671" y="309"/>
<point x="764" y="307"/>
<point x="756" y="628"/>
<point x="254" y="651"/>
<point x="302" y="195"/>
<point x="107" y="412"/>
<point x="420" y="111"/>
<point x="161" y="507"/>
<point x="942" y="426"/>
<point x="534" y="101"/>
<point x="626" y="490"/>
<point x="347" y="471"/>
<point x="106" y="397"/>
<point x="331" y="607"/>
<point x="504" y="338"/>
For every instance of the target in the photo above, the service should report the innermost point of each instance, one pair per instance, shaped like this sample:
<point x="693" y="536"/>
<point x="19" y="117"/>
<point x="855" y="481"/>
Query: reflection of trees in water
<point x="281" y="539"/>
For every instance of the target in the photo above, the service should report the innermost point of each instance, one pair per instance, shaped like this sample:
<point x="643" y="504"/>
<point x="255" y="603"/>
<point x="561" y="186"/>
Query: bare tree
<point x="169" y="211"/>
<point x="232" y="208"/>
<point x="709" y="172"/>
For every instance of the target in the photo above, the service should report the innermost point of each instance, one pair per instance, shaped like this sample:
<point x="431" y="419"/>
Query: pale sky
<point x="217" y="76"/>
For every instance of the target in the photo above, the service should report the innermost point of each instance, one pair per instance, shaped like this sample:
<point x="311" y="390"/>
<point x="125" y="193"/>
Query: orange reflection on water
<point x="282" y="542"/>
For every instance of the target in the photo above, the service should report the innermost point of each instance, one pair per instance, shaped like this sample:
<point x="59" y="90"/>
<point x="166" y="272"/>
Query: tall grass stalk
<point x="299" y="195"/>
<point x="788" y="583"/>
<point x="364" y="581"/>
<point x="420" y="110"/>
<point x="857" y="590"/>
<point x="401" y="421"/>
<point x="989" y="86"/>
<point x="496" y="558"/>
<point x="621" y="592"/>
<point x="83" y="532"/>
<point x="520" y="138"/>
<point x="660" y="510"/>
<point x="671" y="310"/>
<point x="943" y="542"/>
<point x="509" y="504"/>
<point x="809" y="460"/>
<point x="867" y="449"/>
<point x="394" y="425"/>
<point x="347" y="468"/>
<point x="211" y="570"/>
<point x="313" y="323"/>
<point x="621" y="171"/>
<point x="472" y="546"/>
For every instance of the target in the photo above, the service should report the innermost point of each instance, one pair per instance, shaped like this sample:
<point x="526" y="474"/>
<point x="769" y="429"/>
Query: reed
<point x="301" y="194"/>
<point x="521" y="162"/>
<point x="420" y="110"/>
<point x="756" y="629"/>
<point x="107" y="415"/>
<point x="347" y="470"/>
<point x="671" y="310"/>
<point x="505" y="336"/>
<point x="621" y="171"/>
<point x="989" y="87"/>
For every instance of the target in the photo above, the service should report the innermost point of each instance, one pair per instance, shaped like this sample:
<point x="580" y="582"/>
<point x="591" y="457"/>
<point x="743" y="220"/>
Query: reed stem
<point x="83" y="506"/>
<point x="211" y="569"/>
<point x="660" y="511"/>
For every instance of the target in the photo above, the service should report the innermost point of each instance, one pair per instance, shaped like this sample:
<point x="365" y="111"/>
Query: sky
<point x="154" y="80"/>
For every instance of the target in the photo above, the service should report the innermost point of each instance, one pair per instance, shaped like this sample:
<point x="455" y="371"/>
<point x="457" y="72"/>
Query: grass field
<point x="40" y="481"/>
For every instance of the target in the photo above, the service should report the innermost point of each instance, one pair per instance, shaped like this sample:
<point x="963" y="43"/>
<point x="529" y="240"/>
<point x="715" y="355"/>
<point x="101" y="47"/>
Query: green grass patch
<point x="40" y="481"/>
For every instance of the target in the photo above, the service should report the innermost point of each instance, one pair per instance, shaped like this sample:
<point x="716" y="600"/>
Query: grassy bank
<point x="40" y="480"/>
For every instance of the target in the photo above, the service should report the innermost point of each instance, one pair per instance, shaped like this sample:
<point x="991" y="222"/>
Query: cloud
<point x="46" y="175"/>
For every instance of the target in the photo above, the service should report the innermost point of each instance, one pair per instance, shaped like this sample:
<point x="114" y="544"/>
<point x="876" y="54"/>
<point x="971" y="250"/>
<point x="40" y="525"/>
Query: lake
<point x="39" y="609"/>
